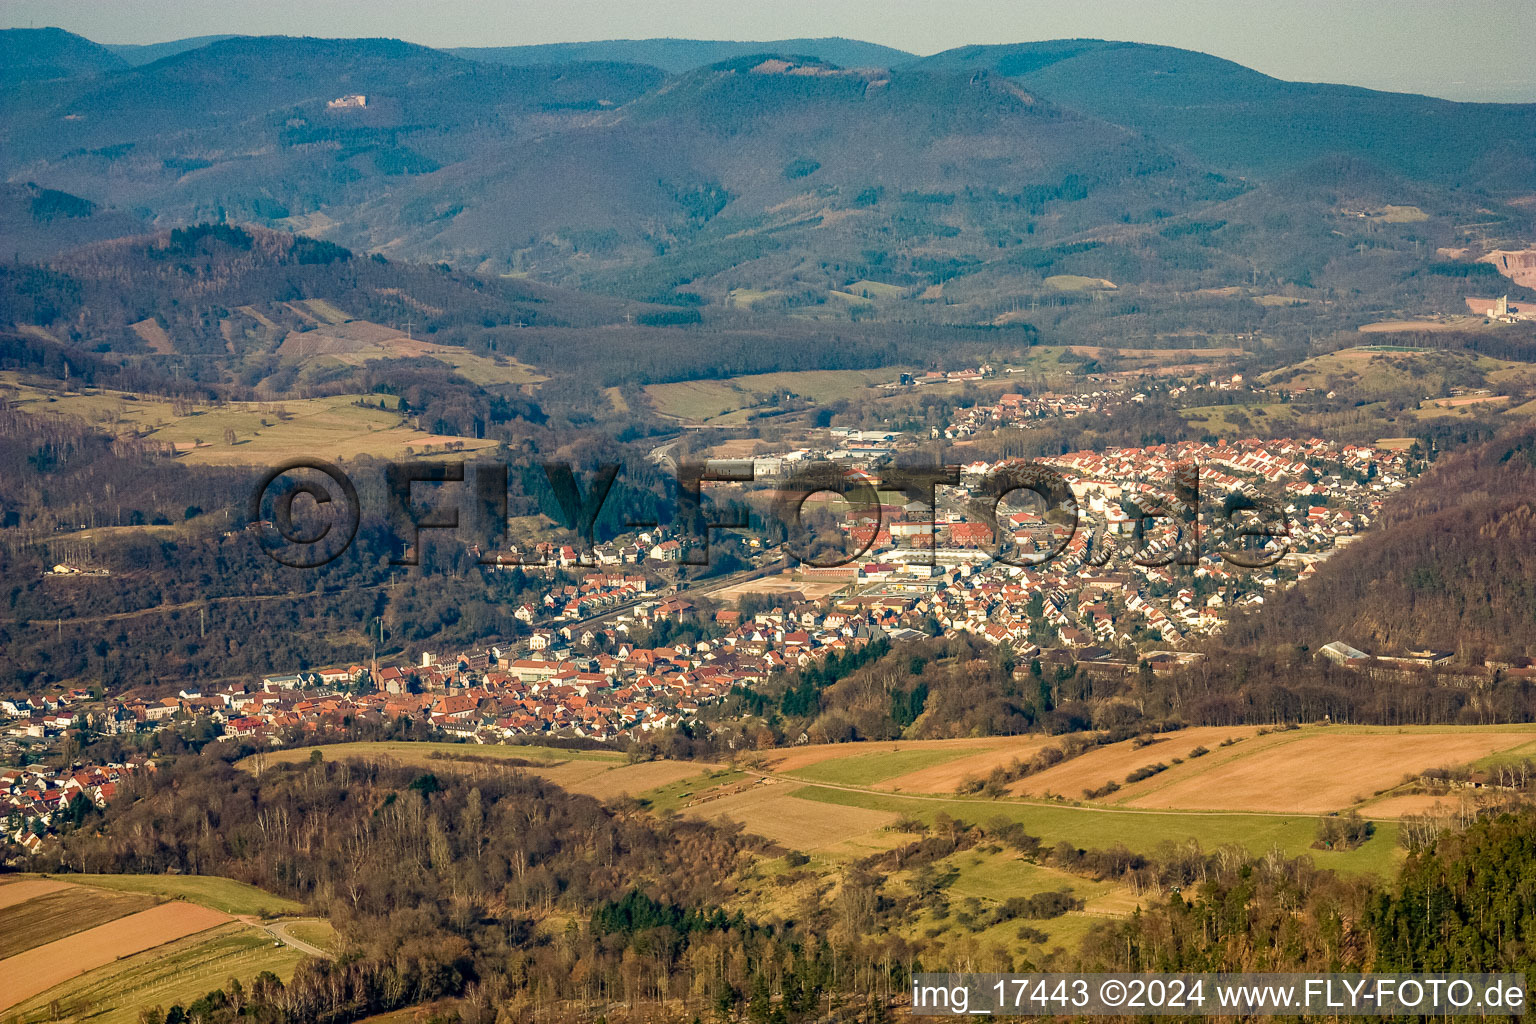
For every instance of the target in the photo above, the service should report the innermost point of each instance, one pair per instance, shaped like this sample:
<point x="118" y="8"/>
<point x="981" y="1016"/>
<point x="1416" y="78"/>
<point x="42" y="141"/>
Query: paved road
<point x="279" y="931"/>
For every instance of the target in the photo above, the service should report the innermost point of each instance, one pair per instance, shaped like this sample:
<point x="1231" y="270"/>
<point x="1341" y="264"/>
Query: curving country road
<point x="279" y="931"/>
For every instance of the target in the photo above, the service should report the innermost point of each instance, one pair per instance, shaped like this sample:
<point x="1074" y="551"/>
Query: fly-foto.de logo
<point x="1025" y="514"/>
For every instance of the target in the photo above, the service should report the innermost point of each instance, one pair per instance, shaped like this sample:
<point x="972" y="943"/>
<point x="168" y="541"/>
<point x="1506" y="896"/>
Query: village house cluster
<point x="35" y="799"/>
<point x="1092" y="597"/>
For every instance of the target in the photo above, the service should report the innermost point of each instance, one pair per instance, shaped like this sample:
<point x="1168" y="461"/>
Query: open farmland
<point x="425" y="754"/>
<point x="776" y="811"/>
<point x="1259" y="791"/>
<point x="177" y="972"/>
<point x="264" y="432"/>
<point x="1140" y="830"/>
<point x="222" y="894"/>
<point x="926" y="756"/>
<point x="1112" y="763"/>
<point x="62" y="912"/>
<point x="946" y="776"/>
<point x="611" y="781"/>
<point x="1322" y="770"/>
<point x="876" y="767"/>
<point x="40" y="968"/>
<point x="356" y="342"/>
<point x="102" y="947"/>
<point x="1382" y="370"/>
<point x="600" y="773"/>
<point x="12" y="893"/>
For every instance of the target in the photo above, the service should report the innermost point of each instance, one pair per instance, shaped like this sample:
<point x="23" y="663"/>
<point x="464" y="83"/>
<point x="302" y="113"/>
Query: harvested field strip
<point x="1114" y="762"/>
<point x="877" y="766"/>
<point x="12" y="893"/>
<point x="776" y="812"/>
<point x="407" y="752"/>
<point x="1319" y="773"/>
<point x="946" y="777"/>
<point x="610" y="781"/>
<point x="58" y="914"/>
<point x="793" y="759"/>
<point x="40" y="968"/>
<point x="177" y="972"/>
<point x="220" y="893"/>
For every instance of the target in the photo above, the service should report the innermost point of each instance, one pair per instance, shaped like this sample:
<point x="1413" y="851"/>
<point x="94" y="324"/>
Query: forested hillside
<point x="997" y="168"/>
<point x="501" y="889"/>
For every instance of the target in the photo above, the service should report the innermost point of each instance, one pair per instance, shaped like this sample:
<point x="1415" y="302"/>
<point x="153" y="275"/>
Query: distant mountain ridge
<point x="679" y="55"/>
<point x="1237" y="119"/>
<point x="974" y="176"/>
<point x="139" y="54"/>
<point x="41" y="54"/>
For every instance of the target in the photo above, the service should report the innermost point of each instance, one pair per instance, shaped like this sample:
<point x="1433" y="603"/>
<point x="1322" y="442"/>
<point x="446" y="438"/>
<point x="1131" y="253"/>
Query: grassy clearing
<point x="609" y="781"/>
<point x="987" y="877"/>
<point x="421" y="754"/>
<point x="1386" y="369"/>
<point x="746" y="298"/>
<point x="674" y="796"/>
<point x="224" y="894"/>
<point x="320" y="934"/>
<point x="874" y="290"/>
<point x="487" y="371"/>
<point x="56" y="915"/>
<point x="1077" y="283"/>
<point x="712" y="400"/>
<point x="1142" y="831"/>
<point x="264" y="431"/>
<point x="1223" y="419"/>
<point x="178" y="972"/>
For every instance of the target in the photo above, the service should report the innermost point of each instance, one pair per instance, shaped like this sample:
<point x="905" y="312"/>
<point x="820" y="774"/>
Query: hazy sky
<point x="1463" y="49"/>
